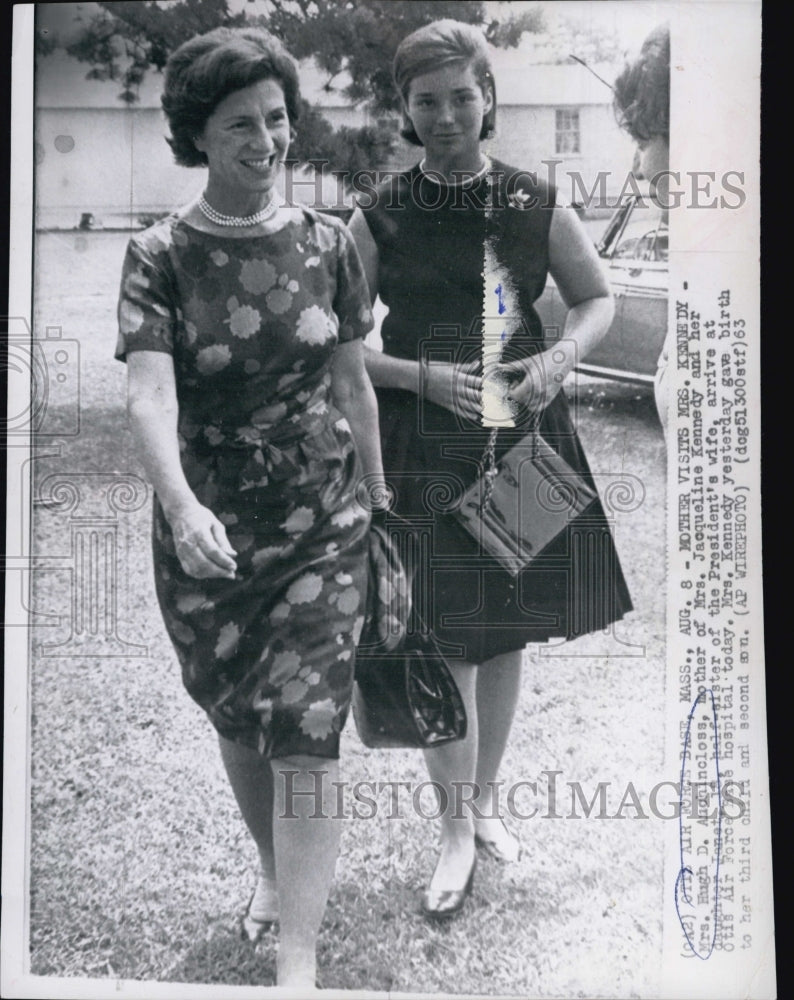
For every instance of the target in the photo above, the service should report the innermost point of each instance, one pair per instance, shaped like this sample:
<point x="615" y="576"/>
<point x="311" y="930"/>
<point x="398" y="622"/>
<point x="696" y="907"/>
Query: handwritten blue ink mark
<point x="498" y="294"/>
<point x="681" y="890"/>
<point x="504" y="335"/>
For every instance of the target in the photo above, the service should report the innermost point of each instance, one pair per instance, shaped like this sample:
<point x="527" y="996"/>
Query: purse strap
<point x="488" y="467"/>
<point x="488" y="470"/>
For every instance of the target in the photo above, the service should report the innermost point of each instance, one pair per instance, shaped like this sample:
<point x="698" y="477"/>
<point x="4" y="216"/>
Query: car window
<point x="642" y="235"/>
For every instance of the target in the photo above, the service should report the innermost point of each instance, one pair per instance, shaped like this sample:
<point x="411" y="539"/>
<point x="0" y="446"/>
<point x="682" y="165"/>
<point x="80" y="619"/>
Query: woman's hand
<point x="200" y="538"/>
<point x="201" y="544"/>
<point x="534" y="382"/>
<point x="455" y="387"/>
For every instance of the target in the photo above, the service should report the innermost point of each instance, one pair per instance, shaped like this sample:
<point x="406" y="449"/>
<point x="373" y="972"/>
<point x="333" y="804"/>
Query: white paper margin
<point x="715" y="115"/>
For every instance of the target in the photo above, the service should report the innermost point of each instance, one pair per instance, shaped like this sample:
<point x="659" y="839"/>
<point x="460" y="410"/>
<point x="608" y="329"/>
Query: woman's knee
<point x="304" y="785"/>
<point x="303" y="762"/>
<point x="512" y="660"/>
<point x="464" y="674"/>
<point x="239" y="757"/>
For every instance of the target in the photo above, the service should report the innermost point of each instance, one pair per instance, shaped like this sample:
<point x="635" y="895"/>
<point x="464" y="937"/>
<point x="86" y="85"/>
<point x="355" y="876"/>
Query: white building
<point x="558" y="120"/>
<point x="97" y="155"/>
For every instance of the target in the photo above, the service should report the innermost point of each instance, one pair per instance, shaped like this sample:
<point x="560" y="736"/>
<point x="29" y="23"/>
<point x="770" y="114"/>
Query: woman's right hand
<point x="201" y="544"/>
<point x="455" y="387"/>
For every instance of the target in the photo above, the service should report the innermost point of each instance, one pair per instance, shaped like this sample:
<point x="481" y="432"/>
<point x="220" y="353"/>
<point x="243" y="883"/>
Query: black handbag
<point x="406" y="696"/>
<point x="519" y="505"/>
<point x="408" y="699"/>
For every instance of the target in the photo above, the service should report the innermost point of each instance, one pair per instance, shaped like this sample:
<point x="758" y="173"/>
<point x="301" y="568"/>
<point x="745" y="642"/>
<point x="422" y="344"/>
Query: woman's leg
<point x="498" y="688"/>
<point x="450" y="766"/>
<point x="306" y="843"/>
<point x="251" y="778"/>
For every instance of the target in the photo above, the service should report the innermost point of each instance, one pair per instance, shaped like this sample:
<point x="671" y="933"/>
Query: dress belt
<point x="278" y="436"/>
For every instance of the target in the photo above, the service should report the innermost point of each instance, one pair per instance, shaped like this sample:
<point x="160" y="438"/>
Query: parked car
<point x="634" y="248"/>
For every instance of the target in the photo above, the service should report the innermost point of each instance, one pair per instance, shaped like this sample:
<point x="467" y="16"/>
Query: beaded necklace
<point x="265" y="213"/>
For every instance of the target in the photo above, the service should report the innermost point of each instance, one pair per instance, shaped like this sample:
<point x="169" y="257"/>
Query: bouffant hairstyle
<point x="439" y="44"/>
<point x="642" y="91"/>
<point x="207" y="68"/>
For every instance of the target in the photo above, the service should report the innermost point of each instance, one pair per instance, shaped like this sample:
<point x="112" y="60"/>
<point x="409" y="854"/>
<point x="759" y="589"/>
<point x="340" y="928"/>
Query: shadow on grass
<point x="379" y="940"/>
<point x="224" y="957"/>
<point x="353" y="947"/>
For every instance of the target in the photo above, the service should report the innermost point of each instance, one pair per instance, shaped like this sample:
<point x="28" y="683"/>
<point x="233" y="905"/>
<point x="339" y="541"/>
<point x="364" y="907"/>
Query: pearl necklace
<point x="465" y="181"/>
<point x="220" y="219"/>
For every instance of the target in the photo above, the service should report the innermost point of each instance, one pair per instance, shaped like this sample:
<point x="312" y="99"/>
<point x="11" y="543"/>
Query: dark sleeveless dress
<point x="431" y="240"/>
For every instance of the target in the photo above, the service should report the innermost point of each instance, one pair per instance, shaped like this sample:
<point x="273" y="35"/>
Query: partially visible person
<point x="241" y="323"/>
<point x="642" y="104"/>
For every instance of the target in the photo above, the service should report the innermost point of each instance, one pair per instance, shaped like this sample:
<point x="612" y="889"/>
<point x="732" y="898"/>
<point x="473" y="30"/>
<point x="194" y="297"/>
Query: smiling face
<point x="446" y="108"/>
<point x="245" y="140"/>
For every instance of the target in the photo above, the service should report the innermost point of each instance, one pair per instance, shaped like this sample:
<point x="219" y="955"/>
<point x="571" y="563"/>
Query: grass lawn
<point x="140" y="866"/>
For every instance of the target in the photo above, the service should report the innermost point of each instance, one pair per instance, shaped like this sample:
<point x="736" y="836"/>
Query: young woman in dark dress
<point x="240" y="322"/>
<point x="427" y="241"/>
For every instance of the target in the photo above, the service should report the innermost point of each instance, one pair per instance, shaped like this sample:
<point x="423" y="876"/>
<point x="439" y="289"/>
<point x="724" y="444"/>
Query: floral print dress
<point x="252" y="324"/>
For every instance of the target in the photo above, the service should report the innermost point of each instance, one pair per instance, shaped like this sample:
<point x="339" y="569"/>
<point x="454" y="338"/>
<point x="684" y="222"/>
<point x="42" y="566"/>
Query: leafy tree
<point x="564" y="37"/>
<point x="354" y="38"/>
<point x="126" y="37"/>
<point x="345" y="149"/>
<point x="362" y="37"/>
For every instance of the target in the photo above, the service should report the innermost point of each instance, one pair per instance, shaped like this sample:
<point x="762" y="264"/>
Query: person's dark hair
<point x="642" y="91"/>
<point x="207" y="68"/>
<point x="438" y="44"/>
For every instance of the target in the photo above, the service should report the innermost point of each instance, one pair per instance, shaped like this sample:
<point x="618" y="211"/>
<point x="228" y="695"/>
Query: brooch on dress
<point x="519" y="198"/>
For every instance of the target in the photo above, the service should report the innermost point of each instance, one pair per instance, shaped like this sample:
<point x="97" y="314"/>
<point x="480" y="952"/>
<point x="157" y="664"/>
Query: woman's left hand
<point x="534" y="382"/>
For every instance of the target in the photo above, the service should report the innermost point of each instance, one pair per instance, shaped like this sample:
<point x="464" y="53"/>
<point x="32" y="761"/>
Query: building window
<point x="566" y="131"/>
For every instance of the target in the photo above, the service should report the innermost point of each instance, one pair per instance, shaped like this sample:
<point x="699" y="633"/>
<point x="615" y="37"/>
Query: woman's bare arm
<point x="455" y="387"/>
<point x="354" y="397"/>
<point x="579" y="274"/>
<point x="581" y="280"/>
<point x="152" y="408"/>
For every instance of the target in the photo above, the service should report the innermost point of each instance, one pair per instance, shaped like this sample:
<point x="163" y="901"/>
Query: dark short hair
<point x="642" y="91"/>
<point x="207" y="68"/>
<point x="438" y="44"/>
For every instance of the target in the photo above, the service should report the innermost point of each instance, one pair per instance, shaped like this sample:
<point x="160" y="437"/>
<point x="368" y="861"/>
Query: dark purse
<point x="519" y="505"/>
<point x="406" y="696"/>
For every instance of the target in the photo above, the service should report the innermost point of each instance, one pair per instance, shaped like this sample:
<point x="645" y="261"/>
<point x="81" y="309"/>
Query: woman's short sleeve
<point x="351" y="302"/>
<point x="146" y="309"/>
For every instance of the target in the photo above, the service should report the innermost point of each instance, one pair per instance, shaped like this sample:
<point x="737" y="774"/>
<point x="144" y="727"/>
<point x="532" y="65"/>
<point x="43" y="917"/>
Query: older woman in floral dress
<point x="241" y="325"/>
